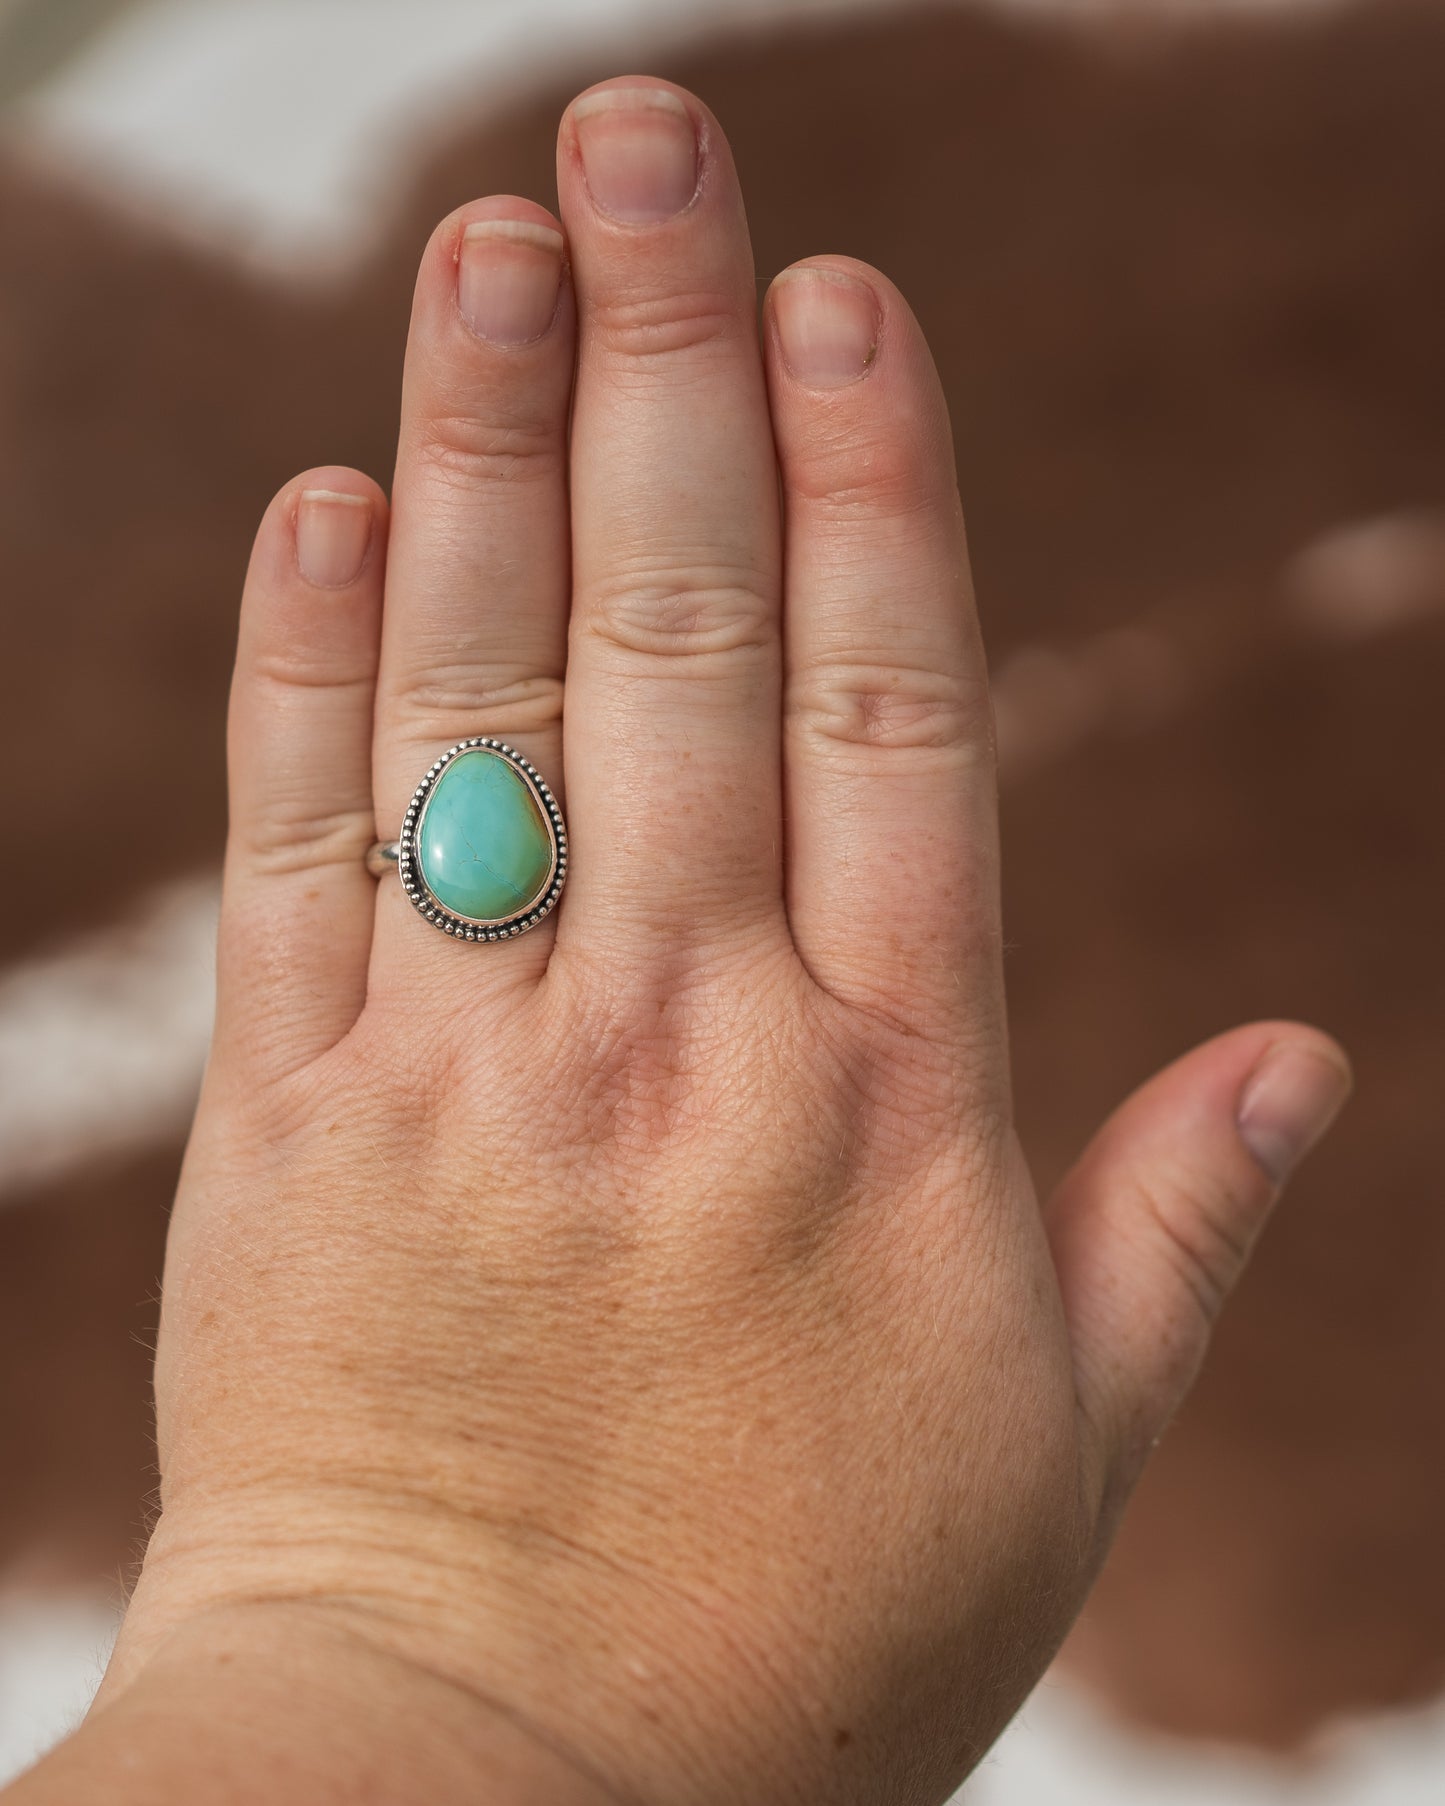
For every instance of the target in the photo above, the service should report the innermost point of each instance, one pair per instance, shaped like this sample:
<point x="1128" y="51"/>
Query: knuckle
<point x="451" y="699"/>
<point x="694" y="614"/>
<point x="288" y="839"/>
<point x="646" y="325"/>
<point x="297" y="664"/>
<point x="653" y="1054"/>
<point x="887" y="707"/>
<point x="1201" y="1233"/>
<point x="625" y="1067"/>
<point x="468" y="448"/>
<point x="844" y="471"/>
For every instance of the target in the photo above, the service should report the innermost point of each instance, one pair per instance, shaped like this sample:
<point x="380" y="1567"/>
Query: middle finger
<point x="673" y="678"/>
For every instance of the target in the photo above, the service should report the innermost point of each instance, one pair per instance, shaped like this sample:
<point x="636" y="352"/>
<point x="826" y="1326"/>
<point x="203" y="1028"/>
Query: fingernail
<point x="509" y="278"/>
<point x="827" y="326"/>
<point x="1287" y="1103"/>
<point x="333" y="532"/>
<point x="639" y="152"/>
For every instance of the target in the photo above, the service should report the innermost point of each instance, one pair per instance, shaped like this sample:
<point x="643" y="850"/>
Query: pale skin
<point x="630" y="1363"/>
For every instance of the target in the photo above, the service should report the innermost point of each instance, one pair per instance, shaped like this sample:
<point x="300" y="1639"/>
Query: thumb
<point x="1151" y="1229"/>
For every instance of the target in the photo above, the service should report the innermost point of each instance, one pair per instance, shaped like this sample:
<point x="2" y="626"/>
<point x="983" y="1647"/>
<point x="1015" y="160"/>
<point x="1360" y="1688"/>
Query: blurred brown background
<point x="1185" y="277"/>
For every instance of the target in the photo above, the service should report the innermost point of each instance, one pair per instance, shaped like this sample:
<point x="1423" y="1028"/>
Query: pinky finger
<point x="298" y="905"/>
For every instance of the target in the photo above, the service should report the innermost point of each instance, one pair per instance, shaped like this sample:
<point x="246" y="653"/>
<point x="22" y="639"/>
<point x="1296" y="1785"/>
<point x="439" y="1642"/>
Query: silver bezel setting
<point x="408" y="863"/>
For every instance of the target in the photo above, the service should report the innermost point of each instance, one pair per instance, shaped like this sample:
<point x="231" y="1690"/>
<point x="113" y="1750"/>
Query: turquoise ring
<point x="483" y="847"/>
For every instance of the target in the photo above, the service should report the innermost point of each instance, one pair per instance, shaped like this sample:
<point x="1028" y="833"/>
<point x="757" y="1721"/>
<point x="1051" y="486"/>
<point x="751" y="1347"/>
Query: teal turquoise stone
<point x="484" y="848"/>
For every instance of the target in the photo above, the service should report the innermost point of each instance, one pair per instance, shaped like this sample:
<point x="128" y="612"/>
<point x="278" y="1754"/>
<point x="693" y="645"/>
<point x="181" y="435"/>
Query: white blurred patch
<point x="271" y="129"/>
<point x="102" y="1042"/>
<point x="53" y="1652"/>
<point x="1062" y="1751"/>
<point x="1371" y="576"/>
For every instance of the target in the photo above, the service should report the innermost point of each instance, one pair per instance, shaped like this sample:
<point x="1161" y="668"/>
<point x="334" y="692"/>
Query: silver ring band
<point x="382" y="857"/>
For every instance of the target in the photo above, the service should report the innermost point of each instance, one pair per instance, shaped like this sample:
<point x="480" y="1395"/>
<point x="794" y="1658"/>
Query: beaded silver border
<point x="464" y="928"/>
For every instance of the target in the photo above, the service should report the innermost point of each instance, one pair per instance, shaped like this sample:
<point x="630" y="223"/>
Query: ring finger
<point x="475" y="627"/>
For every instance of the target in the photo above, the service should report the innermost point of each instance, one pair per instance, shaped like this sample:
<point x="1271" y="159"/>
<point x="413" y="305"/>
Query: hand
<point x="645" y="1328"/>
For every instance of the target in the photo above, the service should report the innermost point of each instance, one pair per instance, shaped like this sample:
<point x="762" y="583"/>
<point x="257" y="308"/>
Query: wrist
<point x="636" y="1688"/>
<point x="288" y="1702"/>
